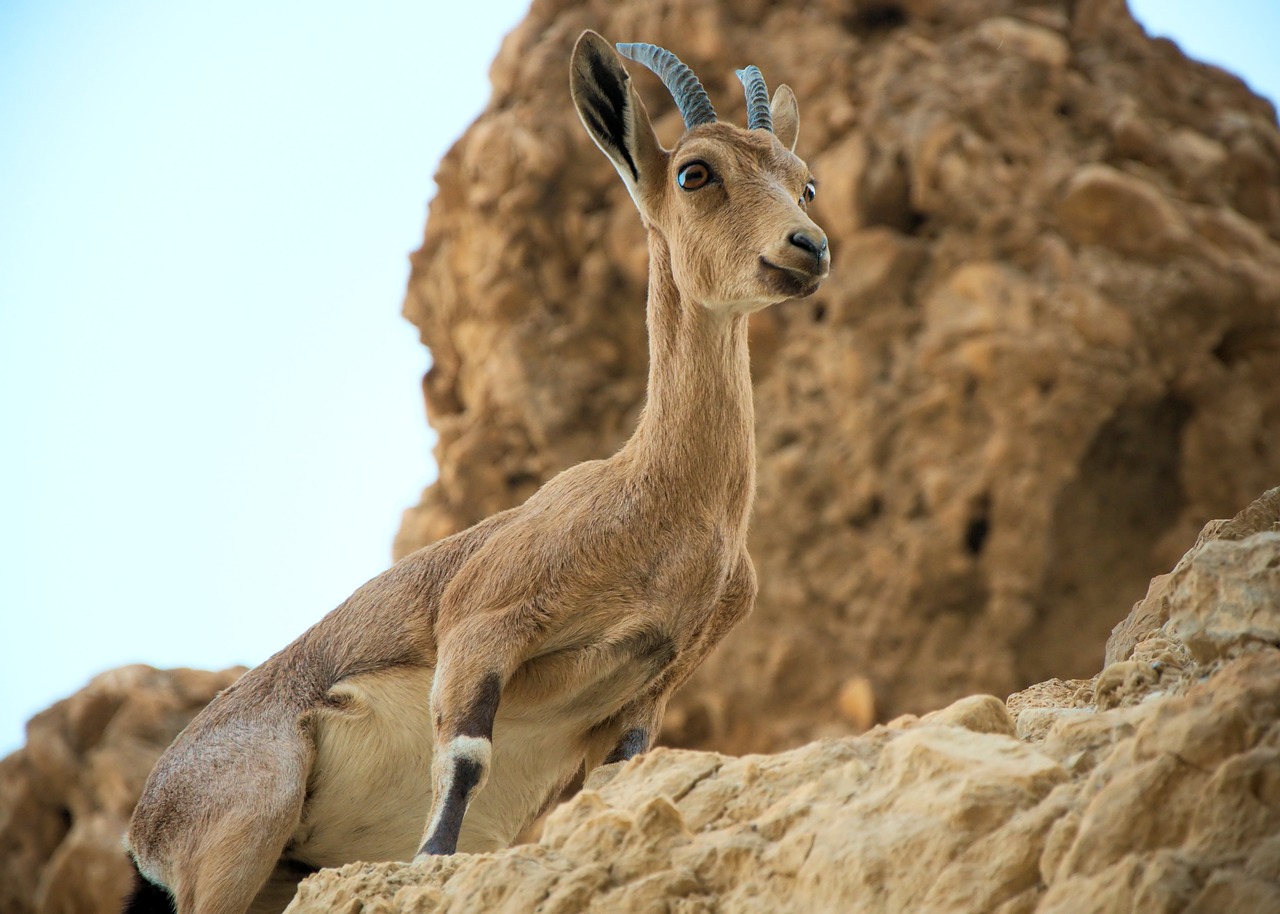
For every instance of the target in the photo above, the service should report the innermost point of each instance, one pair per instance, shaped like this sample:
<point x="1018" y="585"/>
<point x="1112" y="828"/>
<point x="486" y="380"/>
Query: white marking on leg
<point x="474" y="749"/>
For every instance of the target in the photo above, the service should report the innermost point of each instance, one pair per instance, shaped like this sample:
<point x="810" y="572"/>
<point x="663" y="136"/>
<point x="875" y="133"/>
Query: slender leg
<point x="474" y="662"/>
<point x="634" y="741"/>
<point x="638" y="723"/>
<point x="643" y="718"/>
<point x="238" y="854"/>
<point x="223" y="853"/>
<point x="461" y="764"/>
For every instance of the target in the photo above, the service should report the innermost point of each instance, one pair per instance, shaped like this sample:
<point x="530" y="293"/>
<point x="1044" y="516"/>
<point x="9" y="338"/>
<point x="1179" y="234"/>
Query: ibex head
<point x="730" y="203"/>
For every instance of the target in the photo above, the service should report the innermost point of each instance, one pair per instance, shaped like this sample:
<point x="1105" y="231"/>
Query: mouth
<point x="791" y="282"/>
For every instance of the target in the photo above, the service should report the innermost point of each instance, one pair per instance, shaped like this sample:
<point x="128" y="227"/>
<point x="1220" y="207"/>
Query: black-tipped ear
<point x="612" y="111"/>
<point x="786" y="116"/>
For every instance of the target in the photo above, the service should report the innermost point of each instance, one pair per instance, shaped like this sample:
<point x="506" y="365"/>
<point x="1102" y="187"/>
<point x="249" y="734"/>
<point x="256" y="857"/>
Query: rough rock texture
<point x="1046" y="356"/>
<point x="1232" y="581"/>
<point x="1153" y="787"/>
<point x="66" y="797"/>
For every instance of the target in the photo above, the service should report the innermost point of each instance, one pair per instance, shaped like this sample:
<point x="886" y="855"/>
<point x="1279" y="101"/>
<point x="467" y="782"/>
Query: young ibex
<point x="452" y="698"/>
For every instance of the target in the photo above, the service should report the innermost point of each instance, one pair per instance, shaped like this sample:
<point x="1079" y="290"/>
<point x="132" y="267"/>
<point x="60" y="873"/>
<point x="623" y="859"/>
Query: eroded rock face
<point x="66" y="796"/>
<point x="1045" y="357"/>
<point x="1153" y="787"/>
<point x="1223" y="590"/>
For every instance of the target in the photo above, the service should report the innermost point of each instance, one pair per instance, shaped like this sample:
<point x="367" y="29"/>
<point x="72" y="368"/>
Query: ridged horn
<point x="691" y="98"/>
<point x="758" y="114"/>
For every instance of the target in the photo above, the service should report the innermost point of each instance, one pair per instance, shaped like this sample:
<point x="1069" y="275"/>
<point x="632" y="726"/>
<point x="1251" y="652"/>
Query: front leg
<point x="634" y="741"/>
<point x="474" y="662"/>
<point x="464" y="753"/>
<point x="638" y="724"/>
<point x="642" y="719"/>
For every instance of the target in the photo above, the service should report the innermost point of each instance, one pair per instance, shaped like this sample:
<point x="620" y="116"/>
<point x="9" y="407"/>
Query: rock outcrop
<point x="1153" y="787"/>
<point x="66" y="797"/>
<point x="1046" y="355"/>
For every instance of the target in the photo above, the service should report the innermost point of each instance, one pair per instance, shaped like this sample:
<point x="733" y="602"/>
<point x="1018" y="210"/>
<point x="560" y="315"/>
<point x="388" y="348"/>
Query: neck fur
<point x="696" y="435"/>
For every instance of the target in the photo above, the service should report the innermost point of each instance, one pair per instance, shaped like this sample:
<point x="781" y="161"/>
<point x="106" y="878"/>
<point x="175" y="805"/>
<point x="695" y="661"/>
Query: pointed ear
<point x="613" y="114"/>
<point x="786" y="116"/>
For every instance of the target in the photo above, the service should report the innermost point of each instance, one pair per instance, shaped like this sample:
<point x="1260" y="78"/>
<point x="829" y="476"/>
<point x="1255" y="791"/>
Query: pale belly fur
<point x="370" y="790"/>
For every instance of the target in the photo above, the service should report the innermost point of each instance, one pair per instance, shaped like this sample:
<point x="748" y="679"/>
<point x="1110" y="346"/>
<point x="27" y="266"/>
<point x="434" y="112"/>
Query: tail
<point x="147" y="897"/>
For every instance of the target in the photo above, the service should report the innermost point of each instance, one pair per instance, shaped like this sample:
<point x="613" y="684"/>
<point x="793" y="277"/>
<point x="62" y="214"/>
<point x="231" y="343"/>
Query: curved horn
<point x="758" y="114"/>
<point x="691" y="98"/>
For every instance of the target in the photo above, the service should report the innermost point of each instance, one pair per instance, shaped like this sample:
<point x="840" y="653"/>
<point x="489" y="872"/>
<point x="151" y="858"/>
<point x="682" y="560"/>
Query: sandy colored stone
<point x="1102" y="205"/>
<point x="1240" y="582"/>
<point x="857" y="703"/>
<point x="749" y="834"/>
<point x="1047" y="352"/>
<point x="979" y="713"/>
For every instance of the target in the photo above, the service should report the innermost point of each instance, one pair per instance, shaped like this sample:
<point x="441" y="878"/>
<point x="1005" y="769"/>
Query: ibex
<point x="452" y="698"/>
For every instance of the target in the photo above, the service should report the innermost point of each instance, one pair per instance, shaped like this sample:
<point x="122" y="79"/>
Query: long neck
<point x="696" y="436"/>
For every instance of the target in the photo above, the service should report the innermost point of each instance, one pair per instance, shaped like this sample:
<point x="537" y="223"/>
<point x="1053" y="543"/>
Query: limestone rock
<point x="1241" y="582"/>
<point x="66" y="796"/>
<point x="1046" y="354"/>
<point x="1102" y="205"/>
<point x="1164" y="797"/>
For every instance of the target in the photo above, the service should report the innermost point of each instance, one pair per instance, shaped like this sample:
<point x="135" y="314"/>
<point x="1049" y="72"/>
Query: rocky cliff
<point x="1045" y="357"/>
<point x="1152" y="787"/>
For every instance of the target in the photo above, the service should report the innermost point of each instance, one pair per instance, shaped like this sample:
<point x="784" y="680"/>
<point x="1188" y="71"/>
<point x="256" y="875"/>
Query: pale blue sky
<point x="209" y="405"/>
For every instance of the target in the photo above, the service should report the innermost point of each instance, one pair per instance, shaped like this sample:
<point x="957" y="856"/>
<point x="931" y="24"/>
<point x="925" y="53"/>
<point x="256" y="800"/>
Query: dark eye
<point x="694" y="175"/>
<point x="810" y="190"/>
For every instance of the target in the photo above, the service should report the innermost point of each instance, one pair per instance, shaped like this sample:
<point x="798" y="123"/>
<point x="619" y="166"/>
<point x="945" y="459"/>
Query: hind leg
<point x="280" y="888"/>
<point x="474" y="661"/>
<point x="216" y="815"/>
<point x="235" y="860"/>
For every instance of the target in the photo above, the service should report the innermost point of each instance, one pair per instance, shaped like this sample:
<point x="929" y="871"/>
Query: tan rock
<point x="1042" y="45"/>
<point x="1233" y="568"/>
<point x="744" y="834"/>
<point x="1241" y="581"/>
<point x="934" y="817"/>
<point x="979" y="713"/>
<point x="1102" y="205"/>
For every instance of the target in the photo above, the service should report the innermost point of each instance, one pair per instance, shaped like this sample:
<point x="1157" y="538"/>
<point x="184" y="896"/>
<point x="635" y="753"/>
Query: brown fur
<point x="586" y="607"/>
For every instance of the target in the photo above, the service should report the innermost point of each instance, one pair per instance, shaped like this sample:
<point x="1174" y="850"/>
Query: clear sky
<point x="210" y="412"/>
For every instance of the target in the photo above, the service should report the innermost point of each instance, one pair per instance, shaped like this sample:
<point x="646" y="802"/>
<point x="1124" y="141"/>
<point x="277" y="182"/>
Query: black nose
<point x="806" y="241"/>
